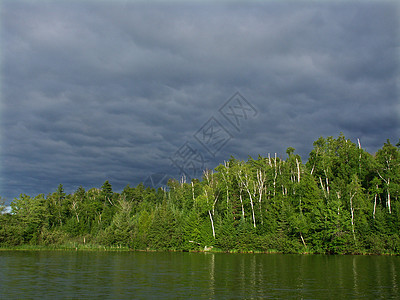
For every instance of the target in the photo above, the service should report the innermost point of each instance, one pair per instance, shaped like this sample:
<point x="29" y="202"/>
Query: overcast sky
<point x="120" y="90"/>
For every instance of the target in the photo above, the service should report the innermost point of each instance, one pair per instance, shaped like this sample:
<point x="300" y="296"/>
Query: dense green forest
<point x="342" y="200"/>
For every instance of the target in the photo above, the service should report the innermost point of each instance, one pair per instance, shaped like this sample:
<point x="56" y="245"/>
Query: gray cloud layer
<point x="109" y="91"/>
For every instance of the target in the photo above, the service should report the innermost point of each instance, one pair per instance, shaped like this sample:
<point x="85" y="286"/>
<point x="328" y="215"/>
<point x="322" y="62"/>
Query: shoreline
<point x="99" y="248"/>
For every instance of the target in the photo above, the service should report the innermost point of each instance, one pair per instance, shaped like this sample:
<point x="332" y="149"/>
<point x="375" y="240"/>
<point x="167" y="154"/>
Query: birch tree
<point x="249" y="184"/>
<point x="388" y="170"/>
<point x="320" y="164"/>
<point x="211" y="194"/>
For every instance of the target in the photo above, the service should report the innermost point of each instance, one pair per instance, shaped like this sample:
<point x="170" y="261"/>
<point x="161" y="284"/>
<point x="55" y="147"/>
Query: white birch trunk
<point x="388" y="197"/>
<point x="275" y="175"/>
<point x="241" y="201"/>
<point x="260" y="182"/>
<point x="212" y="223"/>
<point x="387" y="181"/>
<point x="352" y="214"/>
<point x="246" y="183"/>
<point x="298" y="170"/>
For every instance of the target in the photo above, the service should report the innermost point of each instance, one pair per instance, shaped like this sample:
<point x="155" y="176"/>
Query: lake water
<point x="144" y="275"/>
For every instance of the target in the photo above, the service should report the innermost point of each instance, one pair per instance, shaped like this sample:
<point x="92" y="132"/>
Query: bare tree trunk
<point x="312" y="169"/>
<point x="387" y="191"/>
<point x="304" y="243"/>
<point x="352" y="214"/>
<point x="246" y="183"/>
<point x="252" y="209"/>
<point x="275" y="175"/>
<point x="359" y="158"/>
<point x="298" y="170"/>
<point x="241" y="185"/>
<point x="323" y="188"/>
<point x="193" y="191"/>
<point x="212" y="223"/>
<point x="388" y="196"/>
<point x="210" y="181"/>
<point x="241" y="199"/>
<point x="74" y="203"/>
<point x="327" y="182"/>
<point x="338" y="208"/>
<point x="260" y="182"/>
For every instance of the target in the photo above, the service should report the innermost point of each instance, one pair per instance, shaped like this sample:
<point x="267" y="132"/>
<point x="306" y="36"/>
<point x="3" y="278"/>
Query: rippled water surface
<point x="144" y="275"/>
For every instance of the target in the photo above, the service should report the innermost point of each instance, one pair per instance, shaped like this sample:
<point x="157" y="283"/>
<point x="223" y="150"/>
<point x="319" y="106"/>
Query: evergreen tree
<point x="106" y="192"/>
<point x="342" y="200"/>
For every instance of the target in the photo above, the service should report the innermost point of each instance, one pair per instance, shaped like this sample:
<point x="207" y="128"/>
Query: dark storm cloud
<point x="110" y="91"/>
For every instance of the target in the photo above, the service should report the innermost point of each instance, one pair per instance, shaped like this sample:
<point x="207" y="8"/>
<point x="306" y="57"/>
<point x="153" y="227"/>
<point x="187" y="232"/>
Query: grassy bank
<point x="93" y="247"/>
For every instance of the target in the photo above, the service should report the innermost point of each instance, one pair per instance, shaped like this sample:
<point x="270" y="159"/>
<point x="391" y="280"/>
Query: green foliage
<point x="227" y="236"/>
<point x="120" y="231"/>
<point x="106" y="192"/>
<point x="2" y="206"/>
<point x="142" y="223"/>
<point x="52" y="237"/>
<point x="191" y="225"/>
<point x="342" y="200"/>
<point x="163" y="231"/>
<point x="31" y="214"/>
<point x="11" y="231"/>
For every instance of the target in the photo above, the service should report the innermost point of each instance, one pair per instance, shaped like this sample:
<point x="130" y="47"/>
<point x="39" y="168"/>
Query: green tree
<point x="106" y="192"/>
<point x="142" y="224"/>
<point x="2" y="205"/>
<point x="192" y="230"/>
<point x="164" y="232"/>
<point x="11" y="231"/>
<point x="358" y="206"/>
<point x="388" y="170"/>
<point x="120" y="230"/>
<point x="31" y="214"/>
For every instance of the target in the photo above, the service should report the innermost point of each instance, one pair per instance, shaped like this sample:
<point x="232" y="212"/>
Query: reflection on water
<point x="211" y="257"/>
<point x="71" y="274"/>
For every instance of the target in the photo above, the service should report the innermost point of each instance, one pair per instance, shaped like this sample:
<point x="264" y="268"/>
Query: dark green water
<point x="140" y="275"/>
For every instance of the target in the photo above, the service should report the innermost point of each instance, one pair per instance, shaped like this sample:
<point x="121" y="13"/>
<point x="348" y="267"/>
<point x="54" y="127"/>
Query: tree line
<point x="342" y="200"/>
